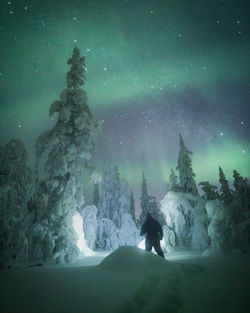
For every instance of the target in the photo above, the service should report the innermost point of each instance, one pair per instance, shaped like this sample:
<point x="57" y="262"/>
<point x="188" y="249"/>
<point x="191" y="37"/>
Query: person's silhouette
<point x="154" y="234"/>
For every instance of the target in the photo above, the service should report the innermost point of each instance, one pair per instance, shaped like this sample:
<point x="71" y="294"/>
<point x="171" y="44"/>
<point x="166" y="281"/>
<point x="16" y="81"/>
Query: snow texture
<point x="221" y="229"/>
<point x="169" y="238"/>
<point x="107" y="235"/>
<point x="81" y="242"/>
<point x="115" y="225"/>
<point x="15" y="184"/>
<point x="131" y="281"/>
<point x="128" y="234"/>
<point x="132" y="259"/>
<point x="114" y="199"/>
<point x="90" y="225"/>
<point x="186" y="221"/>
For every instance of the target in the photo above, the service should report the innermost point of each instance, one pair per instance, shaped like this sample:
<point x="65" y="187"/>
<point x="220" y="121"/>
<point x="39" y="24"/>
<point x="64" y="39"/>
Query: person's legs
<point x="148" y="245"/>
<point x="158" y="249"/>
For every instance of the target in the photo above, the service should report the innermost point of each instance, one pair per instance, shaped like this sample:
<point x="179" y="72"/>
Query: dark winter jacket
<point x="152" y="228"/>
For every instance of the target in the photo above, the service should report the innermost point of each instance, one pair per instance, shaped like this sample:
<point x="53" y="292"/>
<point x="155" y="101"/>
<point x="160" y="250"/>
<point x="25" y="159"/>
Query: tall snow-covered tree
<point x="144" y="200"/>
<point x="186" y="174"/>
<point x="115" y="225"/>
<point x="96" y="196"/>
<point x="226" y="193"/>
<point x="173" y="182"/>
<point x="209" y="190"/>
<point x="242" y="191"/>
<point x="114" y="201"/>
<point x="68" y="146"/>
<point x="132" y="206"/>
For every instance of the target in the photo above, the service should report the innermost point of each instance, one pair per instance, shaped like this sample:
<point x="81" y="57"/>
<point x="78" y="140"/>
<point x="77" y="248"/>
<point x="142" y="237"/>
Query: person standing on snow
<point x="154" y="234"/>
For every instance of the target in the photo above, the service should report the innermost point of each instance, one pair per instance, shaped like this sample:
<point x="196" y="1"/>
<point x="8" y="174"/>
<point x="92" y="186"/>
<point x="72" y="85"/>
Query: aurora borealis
<point x="154" y="69"/>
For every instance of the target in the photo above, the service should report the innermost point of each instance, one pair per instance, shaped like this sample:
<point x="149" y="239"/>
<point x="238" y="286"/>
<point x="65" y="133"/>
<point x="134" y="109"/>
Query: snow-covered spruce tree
<point x="186" y="174"/>
<point x="226" y="193"/>
<point x="15" y="188"/>
<point x="209" y="190"/>
<point x="242" y="192"/>
<point x="115" y="225"/>
<point x="242" y="211"/>
<point x="132" y="206"/>
<point x="96" y="196"/>
<point x="114" y="201"/>
<point x="144" y="200"/>
<point x="68" y="145"/>
<point x="173" y="182"/>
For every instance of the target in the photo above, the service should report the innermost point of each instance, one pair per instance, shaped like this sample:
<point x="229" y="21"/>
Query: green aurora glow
<point x="136" y="52"/>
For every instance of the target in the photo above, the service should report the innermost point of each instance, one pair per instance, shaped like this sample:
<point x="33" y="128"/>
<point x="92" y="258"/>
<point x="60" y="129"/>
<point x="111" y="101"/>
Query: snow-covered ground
<point x="131" y="280"/>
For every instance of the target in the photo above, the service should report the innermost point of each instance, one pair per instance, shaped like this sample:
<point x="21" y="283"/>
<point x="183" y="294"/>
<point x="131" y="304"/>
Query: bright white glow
<point x="141" y="244"/>
<point x="78" y="227"/>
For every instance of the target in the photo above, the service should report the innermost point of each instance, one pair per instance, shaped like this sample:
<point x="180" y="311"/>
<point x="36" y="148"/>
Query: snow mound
<point x="129" y="258"/>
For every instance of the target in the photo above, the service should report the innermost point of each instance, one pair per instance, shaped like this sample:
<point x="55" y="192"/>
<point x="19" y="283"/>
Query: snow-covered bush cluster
<point x="186" y="221"/>
<point x="115" y="225"/>
<point x="217" y="221"/>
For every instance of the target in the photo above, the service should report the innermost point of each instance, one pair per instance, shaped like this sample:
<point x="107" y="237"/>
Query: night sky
<point x="154" y="69"/>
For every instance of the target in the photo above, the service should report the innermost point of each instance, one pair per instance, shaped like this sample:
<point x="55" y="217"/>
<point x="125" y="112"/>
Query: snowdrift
<point x="132" y="259"/>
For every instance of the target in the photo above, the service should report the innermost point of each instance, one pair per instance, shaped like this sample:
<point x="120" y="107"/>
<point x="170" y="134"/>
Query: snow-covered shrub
<point x="186" y="220"/>
<point x="169" y="238"/>
<point x="228" y="233"/>
<point x="220" y="228"/>
<point x="200" y="239"/>
<point x="128" y="234"/>
<point x="107" y="235"/>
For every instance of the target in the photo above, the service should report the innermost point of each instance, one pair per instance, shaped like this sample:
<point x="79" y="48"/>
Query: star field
<point x="154" y="69"/>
